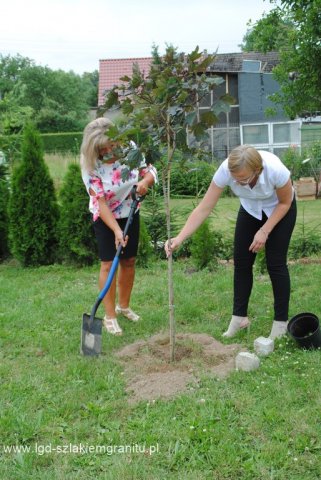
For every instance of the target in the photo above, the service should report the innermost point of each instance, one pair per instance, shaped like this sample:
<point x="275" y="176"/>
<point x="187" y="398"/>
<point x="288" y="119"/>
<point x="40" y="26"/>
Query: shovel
<point x="91" y="331"/>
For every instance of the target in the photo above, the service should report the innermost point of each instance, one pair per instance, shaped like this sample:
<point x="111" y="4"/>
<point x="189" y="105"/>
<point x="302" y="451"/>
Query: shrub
<point x="307" y="241"/>
<point x="33" y="210"/>
<point x="305" y="246"/>
<point x="62" y="142"/>
<point x="202" y="247"/>
<point x="155" y="220"/>
<point x="4" y="219"/>
<point x="52" y="142"/>
<point x="207" y="247"/>
<point x="145" y="249"/>
<point x="293" y="159"/>
<point x="314" y="165"/>
<point x="191" y="178"/>
<point x="77" y="243"/>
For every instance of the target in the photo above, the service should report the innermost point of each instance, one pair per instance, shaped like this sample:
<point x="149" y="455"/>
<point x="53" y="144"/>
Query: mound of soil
<point x="151" y="375"/>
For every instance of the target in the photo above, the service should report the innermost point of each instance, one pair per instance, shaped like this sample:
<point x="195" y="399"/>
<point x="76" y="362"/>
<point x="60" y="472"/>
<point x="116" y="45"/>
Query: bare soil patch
<point x="150" y="374"/>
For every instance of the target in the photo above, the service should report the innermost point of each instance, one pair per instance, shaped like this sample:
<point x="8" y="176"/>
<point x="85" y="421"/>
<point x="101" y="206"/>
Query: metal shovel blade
<point x="91" y="334"/>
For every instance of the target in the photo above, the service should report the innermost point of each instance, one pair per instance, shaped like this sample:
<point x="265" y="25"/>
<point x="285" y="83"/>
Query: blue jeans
<point x="276" y="249"/>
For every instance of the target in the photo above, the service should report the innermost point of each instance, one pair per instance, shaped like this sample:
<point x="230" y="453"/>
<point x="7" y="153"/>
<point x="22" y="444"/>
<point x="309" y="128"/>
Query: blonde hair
<point x="245" y="156"/>
<point x="94" y="138"/>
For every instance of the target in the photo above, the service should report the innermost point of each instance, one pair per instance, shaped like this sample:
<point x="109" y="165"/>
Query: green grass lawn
<point x="260" y="425"/>
<point x="58" y="164"/>
<point x="224" y="215"/>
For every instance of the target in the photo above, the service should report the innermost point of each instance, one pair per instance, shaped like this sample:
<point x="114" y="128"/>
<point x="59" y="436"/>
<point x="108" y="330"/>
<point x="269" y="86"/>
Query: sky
<point x="76" y="34"/>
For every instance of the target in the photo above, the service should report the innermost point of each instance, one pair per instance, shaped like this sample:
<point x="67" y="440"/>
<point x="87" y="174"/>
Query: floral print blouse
<point x="106" y="181"/>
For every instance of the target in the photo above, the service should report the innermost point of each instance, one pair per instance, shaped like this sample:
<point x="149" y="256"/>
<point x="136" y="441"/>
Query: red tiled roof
<point x="111" y="70"/>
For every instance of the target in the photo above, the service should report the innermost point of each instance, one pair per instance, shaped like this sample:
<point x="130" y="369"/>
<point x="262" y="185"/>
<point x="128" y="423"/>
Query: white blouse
<point x="106" y="181"/>
<point x="262" y="197"/>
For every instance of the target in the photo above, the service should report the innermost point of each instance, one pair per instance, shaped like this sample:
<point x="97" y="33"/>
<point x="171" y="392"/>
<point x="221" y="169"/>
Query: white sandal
<point x="112" y="326"/>
<point x="128" y="313"/>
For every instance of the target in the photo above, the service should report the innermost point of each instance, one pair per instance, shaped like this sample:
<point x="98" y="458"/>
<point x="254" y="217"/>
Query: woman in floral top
<point x="110" y="200"/>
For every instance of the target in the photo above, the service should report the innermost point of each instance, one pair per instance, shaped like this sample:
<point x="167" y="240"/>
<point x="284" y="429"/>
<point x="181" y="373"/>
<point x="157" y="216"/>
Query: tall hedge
<point x="76" y="236"/>
<point x="52" y="142"/>
<point x="33" y="209"/>
<point x="4" y="218"/>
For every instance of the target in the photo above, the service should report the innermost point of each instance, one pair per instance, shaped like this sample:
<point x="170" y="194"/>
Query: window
<point x="275" y="137"/>
<point x="256" y="134"/>
<point x="286" y="132"/>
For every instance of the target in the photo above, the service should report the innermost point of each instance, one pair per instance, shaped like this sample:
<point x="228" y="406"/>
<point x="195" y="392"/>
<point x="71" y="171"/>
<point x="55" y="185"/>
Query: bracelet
<point x="265" y="233"/>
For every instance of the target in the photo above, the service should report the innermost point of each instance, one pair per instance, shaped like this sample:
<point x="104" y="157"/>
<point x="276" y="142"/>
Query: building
<point x="248" y="78"/>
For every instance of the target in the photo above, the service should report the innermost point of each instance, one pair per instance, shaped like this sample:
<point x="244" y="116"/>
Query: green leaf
<point x="194" y="55"/>
<point x="199" y="130"/>
<point x="208" y="118"/>
<point x="206" y="62"/>
<point x="220" y="106"/>
<point x="190" y="118"/>
<point x="228" y="98"/>
<point x="181" y="138"/>
<point x="112" y="99"/>
<point x="127" y="106"/>
<point x="113" y="132"/>
<point x="134" y="158"/>
<point x="125" y="174"/>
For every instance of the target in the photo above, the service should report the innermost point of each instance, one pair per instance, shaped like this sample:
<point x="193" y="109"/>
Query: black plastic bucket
<point x="304" y="328"/>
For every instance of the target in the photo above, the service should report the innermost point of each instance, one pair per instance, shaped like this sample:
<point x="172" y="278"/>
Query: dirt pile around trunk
<point x="150" y="374"/>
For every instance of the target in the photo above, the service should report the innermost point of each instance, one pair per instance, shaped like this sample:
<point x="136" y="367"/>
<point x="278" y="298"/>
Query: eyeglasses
<point x="245" y="181"/>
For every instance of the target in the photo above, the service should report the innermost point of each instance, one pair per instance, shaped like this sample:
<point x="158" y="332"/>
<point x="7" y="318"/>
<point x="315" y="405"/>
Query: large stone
<point x="247" y="361"/>
<point x="263" y="346"/>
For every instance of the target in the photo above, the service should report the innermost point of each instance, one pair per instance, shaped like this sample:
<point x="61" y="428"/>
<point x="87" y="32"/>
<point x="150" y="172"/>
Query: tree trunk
<point x="166" y="191"/>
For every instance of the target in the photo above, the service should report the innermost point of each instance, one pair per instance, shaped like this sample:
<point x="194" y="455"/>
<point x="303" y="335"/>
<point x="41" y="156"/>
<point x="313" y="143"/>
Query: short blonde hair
<point x="245" y="156"/>
<point x="94" y="138"/>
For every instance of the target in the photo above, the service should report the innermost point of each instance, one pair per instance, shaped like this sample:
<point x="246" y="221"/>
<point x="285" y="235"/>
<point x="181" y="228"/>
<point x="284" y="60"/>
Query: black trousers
<point x="276" y="249"/>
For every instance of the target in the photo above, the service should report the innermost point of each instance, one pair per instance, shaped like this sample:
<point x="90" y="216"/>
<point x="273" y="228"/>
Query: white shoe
<point x="236" y="324"/>
<point x="278" y="329"/>
<point x="128" y="313"/>
<point x="112" y="326"/>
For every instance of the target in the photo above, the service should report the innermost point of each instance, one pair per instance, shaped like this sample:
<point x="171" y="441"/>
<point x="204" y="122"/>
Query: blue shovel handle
<point x="111" y="275"/>
<point x="115" y="263"/>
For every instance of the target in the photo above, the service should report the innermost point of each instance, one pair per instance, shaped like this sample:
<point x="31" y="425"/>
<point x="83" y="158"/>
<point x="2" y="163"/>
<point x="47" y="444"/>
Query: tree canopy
<point x="270" y="33"/>
<point x="57" y="101"/>
<point x="293" y="28"/>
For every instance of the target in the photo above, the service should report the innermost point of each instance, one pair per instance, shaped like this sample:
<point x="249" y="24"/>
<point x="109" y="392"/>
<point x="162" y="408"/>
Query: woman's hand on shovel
<point x="119" y="238"/>
<point x="142" y="187"/>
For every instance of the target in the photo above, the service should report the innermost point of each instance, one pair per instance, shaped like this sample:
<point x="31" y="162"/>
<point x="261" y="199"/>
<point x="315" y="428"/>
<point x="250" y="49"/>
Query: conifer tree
<point x="33" y="209"/>
<point x="145" y="249"/>
<point x="76" y="236"/>
<point x="4" y="219"/>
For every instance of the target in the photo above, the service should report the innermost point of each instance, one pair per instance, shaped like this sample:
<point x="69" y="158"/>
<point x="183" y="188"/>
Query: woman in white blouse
<point x="110" y="201"/>
<point x="266" y="219"/>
